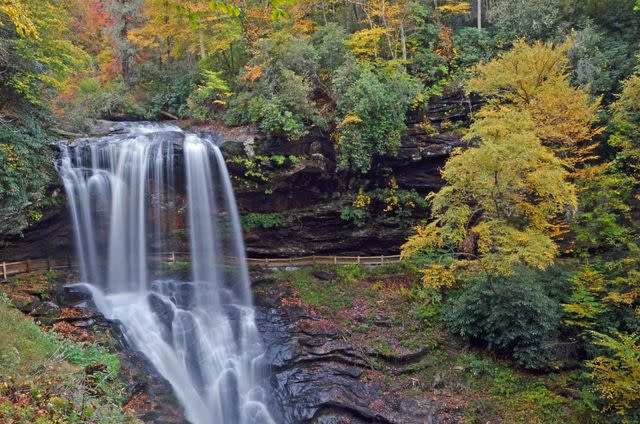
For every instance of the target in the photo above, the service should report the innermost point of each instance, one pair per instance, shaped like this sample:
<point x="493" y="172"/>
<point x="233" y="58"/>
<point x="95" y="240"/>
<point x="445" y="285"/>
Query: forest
<point x="528" y="253"/>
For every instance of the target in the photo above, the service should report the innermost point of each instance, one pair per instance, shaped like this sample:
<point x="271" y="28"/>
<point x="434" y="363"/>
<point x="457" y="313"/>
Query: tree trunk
<point x="125" y="55"/>
<point x="479" y="3"/>
<point x="403" y="41"/>
<point x="324" y="13"/>
<point x="203" y="51"/>
<point x="386" y="27"/>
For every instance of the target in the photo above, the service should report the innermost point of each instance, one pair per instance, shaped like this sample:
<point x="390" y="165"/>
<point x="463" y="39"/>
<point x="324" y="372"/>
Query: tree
<point x="383" y="19"/>
<point x="38" y="58"/>
<point x="16" y="12"/>
<point x="501" y="198"/>
<point x="617" y="376"/>
<point x="604" y="214"/>
<point x="533" y="20"/>
<point x="371" y="106"/>
<point x="626" y="122"/>
<point x="276" y="88"/>
<point x="125" y="15"/>
<point x="175" y="29"/>
<point x="534" y="78"/>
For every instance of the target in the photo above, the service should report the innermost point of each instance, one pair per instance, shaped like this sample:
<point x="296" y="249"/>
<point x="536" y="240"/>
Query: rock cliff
<point x="296" y="195"/>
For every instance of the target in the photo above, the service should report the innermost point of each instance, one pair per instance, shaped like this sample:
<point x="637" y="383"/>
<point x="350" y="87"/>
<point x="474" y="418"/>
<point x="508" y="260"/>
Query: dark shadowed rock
<point x="24" y="302"/>
<point x="46" y="310"/>
<point x="325" y="275"/>
<point x="317" y="377"/>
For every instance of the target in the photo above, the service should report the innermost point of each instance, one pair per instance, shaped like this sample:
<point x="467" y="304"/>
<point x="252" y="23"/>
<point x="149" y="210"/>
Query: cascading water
<point x="124" y="196"/>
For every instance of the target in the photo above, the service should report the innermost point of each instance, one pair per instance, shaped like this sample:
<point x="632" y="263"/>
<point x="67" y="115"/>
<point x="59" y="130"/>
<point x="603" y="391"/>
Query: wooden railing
<point x="12" y="268"/>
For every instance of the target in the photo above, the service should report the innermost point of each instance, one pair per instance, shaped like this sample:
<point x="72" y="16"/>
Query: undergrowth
<point x="46" y="379"/>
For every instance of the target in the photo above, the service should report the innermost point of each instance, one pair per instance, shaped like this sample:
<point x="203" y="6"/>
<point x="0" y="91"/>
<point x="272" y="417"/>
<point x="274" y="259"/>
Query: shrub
<point x="24" y="175"/>
<point x="210" y="96"/>
<point x="354" y="214"/>
<point x="262" y="220"/>
<point x="511" y="314"/>
<point x="371" y="107"/>
<point x="474" y="46"/>
<point x="94" y="99"/>
<point x="603" y="216"/>
<point x="329" y="43"/>
<point x="520" y="18"/>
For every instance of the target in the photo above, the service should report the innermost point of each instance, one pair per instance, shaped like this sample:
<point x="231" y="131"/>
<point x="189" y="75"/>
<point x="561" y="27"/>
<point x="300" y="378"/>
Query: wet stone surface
<point x="318" y="377"/>
<point x="149" y="396"/>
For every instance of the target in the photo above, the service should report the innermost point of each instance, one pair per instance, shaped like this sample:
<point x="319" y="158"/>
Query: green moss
<point x="262" y="220"/>
<point x="331" y="295"/>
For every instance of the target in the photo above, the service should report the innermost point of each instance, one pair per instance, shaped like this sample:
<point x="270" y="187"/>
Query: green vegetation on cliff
<point x="47" y="379"/>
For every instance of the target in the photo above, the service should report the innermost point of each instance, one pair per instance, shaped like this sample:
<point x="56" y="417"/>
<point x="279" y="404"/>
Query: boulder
<point x="46" y="310"/>
<point x="24" y="302"/>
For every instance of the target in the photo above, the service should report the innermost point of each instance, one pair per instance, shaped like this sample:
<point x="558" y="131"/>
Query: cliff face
<point x="294" y="196"/>
<point x="310" y="196"/>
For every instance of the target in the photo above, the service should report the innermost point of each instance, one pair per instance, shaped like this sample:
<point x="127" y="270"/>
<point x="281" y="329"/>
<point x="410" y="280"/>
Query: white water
<point x="124" y="195"/>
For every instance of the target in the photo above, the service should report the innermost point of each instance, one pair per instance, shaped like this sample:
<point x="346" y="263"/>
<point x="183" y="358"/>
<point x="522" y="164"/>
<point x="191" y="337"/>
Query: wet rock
<point x="25" y="303"/>
<point x="402" y="358"/>
<point x="95" y="368"/>
<point x="263" y="281"/>
<point x="152" y="395"/>
<point x="164" y="311"/>
<point x="84" y="323"/>
<point x="74" y="294"/>
<point x="47" y="313"/>
<point x="317" y="376"/>
<point x="46" y="310"/>
<point x="325" y="275"/>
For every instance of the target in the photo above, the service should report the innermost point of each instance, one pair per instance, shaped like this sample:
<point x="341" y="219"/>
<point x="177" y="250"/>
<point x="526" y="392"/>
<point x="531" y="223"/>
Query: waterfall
<point x="125" y="194"/>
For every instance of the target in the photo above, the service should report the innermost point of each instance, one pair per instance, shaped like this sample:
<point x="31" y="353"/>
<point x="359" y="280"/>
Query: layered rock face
<point x="320" y="377"/>
<point x="309" y="194"/>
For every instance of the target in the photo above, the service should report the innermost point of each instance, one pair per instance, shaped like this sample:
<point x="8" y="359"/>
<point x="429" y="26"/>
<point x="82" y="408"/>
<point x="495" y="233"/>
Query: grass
<point x="330" y="296"/>
<point x="177" y="265"/>
<point x="46" y="379"/>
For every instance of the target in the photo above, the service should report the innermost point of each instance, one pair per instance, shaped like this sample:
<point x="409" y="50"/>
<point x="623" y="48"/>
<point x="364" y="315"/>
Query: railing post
<point x="28" y="267"/>
<point x="48" y="264"/>
<point x="335" y="260"/>
<point x="358" y="259"/>
<point x="266" y="261"/>
<point x="4" y="270"/>
<point x="381" y="259"/>
<point x="173" y="257"/>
